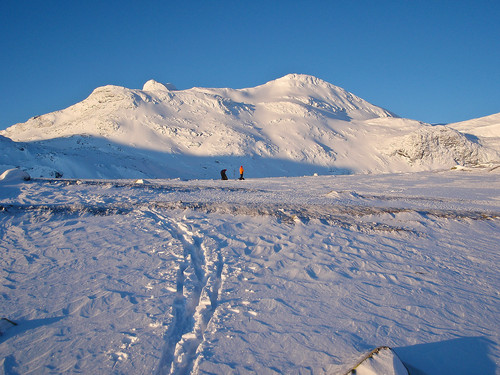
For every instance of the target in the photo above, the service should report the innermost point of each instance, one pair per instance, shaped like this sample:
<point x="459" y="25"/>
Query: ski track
<point x="196" y="298"/>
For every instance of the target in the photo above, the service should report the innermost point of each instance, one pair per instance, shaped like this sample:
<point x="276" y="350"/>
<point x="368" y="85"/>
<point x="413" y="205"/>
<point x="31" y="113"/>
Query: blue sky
<point x="435" y="61"/>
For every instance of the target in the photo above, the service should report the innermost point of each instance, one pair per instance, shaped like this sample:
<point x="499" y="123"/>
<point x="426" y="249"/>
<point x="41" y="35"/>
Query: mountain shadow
<point x="90" y="157"/>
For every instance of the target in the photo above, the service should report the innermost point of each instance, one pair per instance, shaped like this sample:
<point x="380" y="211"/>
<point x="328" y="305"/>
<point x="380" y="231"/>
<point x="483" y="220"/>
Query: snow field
<point x="298" y="275"/>
<point x="323" y="295"/>
<point x="80" y="277"/>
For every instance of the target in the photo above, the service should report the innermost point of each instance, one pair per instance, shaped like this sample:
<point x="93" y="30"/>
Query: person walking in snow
<point x="223" y="174"/>
<point x="241" y="173"/>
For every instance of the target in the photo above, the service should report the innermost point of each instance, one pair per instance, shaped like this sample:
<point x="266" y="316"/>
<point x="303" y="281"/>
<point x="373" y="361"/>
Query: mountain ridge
<point x="297" y="124"/>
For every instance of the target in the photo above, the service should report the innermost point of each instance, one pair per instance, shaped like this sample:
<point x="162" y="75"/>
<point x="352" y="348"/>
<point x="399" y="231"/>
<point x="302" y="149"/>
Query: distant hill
<point x="484" y="129"/>
<point x="295" y="125"/>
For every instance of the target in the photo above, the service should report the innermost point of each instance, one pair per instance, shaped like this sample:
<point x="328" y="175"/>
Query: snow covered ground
<point x="262" y="276"/>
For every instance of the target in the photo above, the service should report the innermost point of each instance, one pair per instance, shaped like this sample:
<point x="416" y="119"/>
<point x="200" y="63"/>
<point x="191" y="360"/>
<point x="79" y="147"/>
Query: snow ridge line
<point x="336" y="213"/>
<point x="192" y="312"/>
<point x="96" y="210"/>
<point x="145" y="185"/>
<point x="340" y="215"/>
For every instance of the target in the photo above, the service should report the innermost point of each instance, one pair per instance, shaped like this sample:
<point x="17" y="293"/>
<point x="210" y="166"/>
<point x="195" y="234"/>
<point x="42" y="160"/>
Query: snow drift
<point x="295" y="125"/>
<point x="14" y="176"/>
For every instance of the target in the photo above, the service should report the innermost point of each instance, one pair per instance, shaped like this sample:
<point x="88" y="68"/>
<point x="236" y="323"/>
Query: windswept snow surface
<point x="262" y="276"/>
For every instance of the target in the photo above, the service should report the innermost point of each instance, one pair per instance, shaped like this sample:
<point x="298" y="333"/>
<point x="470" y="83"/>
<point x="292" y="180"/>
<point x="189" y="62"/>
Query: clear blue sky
<point x="436" y="61"/>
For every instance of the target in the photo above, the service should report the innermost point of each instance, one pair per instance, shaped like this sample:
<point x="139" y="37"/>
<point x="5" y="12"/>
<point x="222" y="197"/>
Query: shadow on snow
<point x="467" y="355"/>
<point x="90" y="157"/>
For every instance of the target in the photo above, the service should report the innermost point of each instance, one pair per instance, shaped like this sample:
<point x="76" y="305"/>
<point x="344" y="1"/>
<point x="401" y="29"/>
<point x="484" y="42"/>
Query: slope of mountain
<point x="487" y="129"/>
<point x="295" y="125"/>
<point x="12" y="154"/>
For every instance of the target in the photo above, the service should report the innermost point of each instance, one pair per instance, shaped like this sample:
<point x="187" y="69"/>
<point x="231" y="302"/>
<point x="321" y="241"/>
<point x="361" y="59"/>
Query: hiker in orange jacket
<point x="241" y="173"/>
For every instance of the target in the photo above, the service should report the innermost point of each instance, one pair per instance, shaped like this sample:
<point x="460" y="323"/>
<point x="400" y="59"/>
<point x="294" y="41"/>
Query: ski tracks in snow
<point x="199" y="280"/>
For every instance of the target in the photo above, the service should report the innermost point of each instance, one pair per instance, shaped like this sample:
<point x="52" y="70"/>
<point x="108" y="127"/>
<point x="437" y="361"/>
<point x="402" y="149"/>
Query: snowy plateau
<point x="122" y="251"/>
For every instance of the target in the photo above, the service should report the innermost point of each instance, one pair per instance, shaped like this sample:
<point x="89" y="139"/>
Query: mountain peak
<point x="153" y="85"/>
<point x="318" y="93"/>
<point x="301" y="78"/>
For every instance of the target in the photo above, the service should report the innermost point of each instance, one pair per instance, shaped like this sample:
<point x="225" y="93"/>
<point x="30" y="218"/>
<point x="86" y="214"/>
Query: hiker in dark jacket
<point x="223" y="174"/>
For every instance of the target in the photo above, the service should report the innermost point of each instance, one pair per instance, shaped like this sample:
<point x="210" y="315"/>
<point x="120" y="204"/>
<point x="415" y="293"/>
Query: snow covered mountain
<point x="295" y="125"/>
<point x="485" y="129"/>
